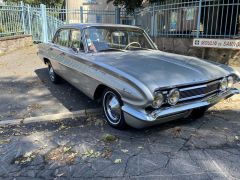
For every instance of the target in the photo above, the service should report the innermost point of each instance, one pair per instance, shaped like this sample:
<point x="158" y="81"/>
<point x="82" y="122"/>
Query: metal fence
<point x="191" y="18"/>
<point x="170" y="18"/>
<point x="41" y="22"/>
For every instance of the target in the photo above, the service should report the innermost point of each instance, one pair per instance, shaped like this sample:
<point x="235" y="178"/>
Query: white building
<point x="90" y="11"/>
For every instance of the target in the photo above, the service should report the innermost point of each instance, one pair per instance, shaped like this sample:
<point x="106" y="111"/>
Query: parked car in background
<point x="138" y="85"/>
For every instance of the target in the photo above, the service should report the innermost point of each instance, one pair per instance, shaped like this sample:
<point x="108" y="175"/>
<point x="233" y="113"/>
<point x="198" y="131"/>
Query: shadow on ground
<point x="68" y="95"/>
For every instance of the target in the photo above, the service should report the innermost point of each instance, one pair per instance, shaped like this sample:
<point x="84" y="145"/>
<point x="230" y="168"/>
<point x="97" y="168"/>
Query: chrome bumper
<point x="141" y="118"/>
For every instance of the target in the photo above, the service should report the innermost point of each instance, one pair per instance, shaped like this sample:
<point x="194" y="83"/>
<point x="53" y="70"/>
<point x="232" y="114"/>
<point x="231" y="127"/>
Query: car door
<point x="75" y="62"/>
<point x="59" y="48"/>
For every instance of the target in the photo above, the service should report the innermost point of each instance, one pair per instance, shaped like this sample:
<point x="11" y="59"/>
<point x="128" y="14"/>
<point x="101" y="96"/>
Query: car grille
<point x="199" y="91"/>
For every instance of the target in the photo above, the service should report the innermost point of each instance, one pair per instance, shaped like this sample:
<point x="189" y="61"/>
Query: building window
<point x="86" y="2"/>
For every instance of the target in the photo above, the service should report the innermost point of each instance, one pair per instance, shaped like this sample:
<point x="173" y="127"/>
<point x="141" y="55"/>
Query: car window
<point x="116" y="39"/>
<point x="76" y="40"/>
<point x="62" y="38"/>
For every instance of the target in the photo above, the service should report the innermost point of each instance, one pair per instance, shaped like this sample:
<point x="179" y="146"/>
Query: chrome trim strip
<point x="143" y="116"/>
<point x="193" y="87"/>
<point x="187" y="84"/>
<point x="199" y="86"/>
<point x="197" y="96"/>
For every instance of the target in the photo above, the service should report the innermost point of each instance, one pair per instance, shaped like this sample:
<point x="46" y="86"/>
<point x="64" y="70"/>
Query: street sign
<point x="217" y="43"/>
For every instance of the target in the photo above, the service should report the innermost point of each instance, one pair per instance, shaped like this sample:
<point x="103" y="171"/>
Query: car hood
<point x="157" y="69"/>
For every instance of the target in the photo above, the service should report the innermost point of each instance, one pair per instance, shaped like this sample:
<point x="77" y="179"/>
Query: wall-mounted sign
<point x="217" y="43"/>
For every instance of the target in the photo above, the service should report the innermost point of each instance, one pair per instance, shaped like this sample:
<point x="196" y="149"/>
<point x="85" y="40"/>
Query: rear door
<point x="60" y="46"/>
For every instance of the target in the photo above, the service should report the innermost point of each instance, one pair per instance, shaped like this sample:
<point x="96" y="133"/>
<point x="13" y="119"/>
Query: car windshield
<point x="101" y="39"/>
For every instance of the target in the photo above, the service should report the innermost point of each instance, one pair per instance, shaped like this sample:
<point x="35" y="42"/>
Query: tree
<point x="37" y="2"/>
<point x="130" y="5"/>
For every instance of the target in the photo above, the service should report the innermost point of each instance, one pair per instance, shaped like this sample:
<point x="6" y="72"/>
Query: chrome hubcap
<point x="51" y="74"/>
<point x="112" y="108"/>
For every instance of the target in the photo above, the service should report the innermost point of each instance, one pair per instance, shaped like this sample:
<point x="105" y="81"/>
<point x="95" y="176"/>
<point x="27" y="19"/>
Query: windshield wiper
<point x="138" y="48"/>
<point x="110" y="49"/>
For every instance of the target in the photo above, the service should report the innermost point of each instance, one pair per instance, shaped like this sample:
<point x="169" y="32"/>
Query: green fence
<point x="41" y="22"/>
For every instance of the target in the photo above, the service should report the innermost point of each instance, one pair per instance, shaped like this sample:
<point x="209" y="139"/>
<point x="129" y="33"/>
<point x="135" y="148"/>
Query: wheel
<point x="52" y="75"/>
<point x="198" y="113"/>
<point x="112" y="103"/>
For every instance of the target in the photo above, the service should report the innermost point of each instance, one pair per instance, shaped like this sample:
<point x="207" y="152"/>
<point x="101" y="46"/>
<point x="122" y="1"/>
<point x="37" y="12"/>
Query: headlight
<point x="224" y="84"/>
<point x="158" y="100"/>
<point x="173" y="97"/>
<point x="230" y="81"/>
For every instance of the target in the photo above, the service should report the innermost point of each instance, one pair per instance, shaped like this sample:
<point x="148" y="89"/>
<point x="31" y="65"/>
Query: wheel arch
<point x="46" y="60"/>
<point x="100" y="89"/>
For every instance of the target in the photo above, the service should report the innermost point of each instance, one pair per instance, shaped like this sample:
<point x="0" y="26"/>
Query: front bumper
<point x="140" y="119"/>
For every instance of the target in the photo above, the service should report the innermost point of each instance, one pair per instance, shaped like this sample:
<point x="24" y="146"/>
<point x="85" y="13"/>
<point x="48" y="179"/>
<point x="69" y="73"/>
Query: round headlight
<point x="224" y="84"/>
<point x="158" y="100"/>
<point x="230" y="82"/>
<point x="173" y="96"/>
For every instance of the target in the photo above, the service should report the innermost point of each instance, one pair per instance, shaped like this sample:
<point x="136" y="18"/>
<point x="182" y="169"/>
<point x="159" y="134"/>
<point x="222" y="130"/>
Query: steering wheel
<point x="131" y="43"/>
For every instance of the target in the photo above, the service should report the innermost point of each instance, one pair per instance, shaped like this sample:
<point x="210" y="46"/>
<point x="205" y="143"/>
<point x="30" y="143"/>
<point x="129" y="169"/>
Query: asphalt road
<point x="26" y="91"/>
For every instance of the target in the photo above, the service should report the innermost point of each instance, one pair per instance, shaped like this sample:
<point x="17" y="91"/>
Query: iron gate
<point x="41" y="22"/>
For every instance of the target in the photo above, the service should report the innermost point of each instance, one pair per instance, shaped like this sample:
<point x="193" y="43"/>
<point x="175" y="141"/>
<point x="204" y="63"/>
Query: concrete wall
<point x="184" y="46"/>
<point x="12" y="43"/>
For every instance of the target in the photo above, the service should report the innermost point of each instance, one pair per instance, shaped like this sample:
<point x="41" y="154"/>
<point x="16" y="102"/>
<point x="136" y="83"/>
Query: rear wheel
<point x="52" y="75"/>
<point x="113" y="113"/>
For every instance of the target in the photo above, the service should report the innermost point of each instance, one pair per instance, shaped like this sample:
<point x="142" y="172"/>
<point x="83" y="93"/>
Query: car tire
<point x="54" y="78"/>
<point x="198" y="113"/>
<point x="111" y="104"/>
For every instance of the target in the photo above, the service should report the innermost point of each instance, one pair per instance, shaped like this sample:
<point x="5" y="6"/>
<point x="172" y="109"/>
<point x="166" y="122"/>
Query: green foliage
<point x="130" y="5"/>
<point x="37" y="2"/>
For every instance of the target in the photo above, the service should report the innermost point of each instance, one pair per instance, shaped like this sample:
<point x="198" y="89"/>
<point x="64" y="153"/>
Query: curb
<point x="52" y="117"/>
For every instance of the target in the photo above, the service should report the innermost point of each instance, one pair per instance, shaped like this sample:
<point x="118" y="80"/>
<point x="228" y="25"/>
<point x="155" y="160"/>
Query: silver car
<point x="137" y="84"/>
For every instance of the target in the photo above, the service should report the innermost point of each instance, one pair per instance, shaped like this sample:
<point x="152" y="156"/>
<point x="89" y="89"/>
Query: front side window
<point x="76" y="40"/>
<point x="62" y="38"/>
<point x="116" y="38"/>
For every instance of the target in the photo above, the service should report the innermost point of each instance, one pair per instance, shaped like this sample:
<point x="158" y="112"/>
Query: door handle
<point x="62" y="54"/>
<point x="50" y="49"/>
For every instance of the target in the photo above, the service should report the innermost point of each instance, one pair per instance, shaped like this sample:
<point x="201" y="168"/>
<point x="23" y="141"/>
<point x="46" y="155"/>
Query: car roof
<point x="85" y="25"/>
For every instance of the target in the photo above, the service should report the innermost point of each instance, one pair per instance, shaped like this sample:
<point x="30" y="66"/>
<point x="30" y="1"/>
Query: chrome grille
<point x="199" y="91"/>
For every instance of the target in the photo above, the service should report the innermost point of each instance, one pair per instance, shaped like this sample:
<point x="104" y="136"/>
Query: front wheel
<point x="113" y="113"/>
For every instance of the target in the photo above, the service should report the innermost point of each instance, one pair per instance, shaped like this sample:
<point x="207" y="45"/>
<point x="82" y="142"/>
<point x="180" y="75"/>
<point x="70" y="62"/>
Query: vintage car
<point x="137" y="84"/>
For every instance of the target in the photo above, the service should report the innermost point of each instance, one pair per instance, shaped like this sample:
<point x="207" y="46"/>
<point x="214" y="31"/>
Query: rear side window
<point x="76" y="40"/>
<point x="62" y="38"/>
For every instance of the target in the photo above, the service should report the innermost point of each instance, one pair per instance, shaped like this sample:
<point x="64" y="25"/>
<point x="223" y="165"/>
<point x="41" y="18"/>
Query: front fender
<point x="131" y="90"/>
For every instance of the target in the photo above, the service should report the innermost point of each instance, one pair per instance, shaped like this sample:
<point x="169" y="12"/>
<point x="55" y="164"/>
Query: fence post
<point x="29" y="19"/>
<point x="199" y="18"/>
<point x="81" y="14"/>
<point x="23" y="18"/>
<point x="44" y="23"/>
<point x="117" y="15"/>
<point x="153" y="21"/>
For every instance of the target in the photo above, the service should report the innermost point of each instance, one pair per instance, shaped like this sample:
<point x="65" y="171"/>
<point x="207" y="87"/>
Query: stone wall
<point x="184" y="46"/>
<point x="12" y="43"/>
